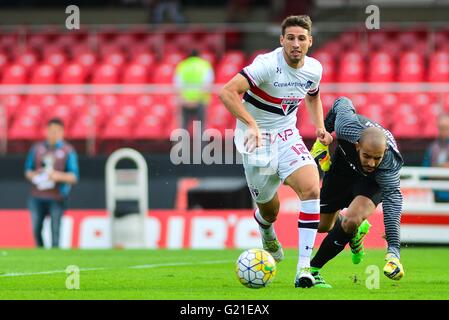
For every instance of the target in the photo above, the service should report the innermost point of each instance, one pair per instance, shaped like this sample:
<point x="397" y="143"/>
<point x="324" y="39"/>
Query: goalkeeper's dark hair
<point x="303" y="21"/>
<point x="56" y="121"/>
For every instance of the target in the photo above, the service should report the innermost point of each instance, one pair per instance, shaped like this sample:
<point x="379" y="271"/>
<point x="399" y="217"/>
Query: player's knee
<point x="310" y="193"/>
<point x="351" y="224"/>
<point x="324" y="227"/>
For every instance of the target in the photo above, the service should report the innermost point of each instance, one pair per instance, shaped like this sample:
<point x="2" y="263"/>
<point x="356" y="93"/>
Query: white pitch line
<point x="145" y="266"/>
<point x="22" y="274"/>
<point x="174" y="264"/>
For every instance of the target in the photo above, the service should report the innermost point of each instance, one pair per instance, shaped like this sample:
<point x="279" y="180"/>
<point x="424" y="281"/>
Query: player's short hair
<point x="303" y="21"/>
<point x="56" y="121"/>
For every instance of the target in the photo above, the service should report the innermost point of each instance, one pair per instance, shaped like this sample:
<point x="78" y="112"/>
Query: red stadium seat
<point x="351" y="67"/>
<point x="163" y="73"/>
<point x="446" y="102"/>
<point x="135" y="74"/>
<point x="139" y="100"/>
<point x="441" y="40"/>
<point x="14" y="74"/>
<point x="439" y="67"/>
<point x="359" y="100"/>
<point x="233" y="57"/>
<point x="209" y="56"/>
<point x="108" y="48"/>
<point x="76" y="101"/>
<point x="73" y="73"/>
<point x="350" y="39"/>
<point x="327" y="99"/>
<point x="150" y="127"/>
<point x="36" y="41"/>
<point x="226" y="72"/>
<point x="214" y="42"/>
<point x="146" y="59"/>
<point x="116" y="59"/>
<point x="376" y="39"/>
<point x="154" y="42"/>
<point x="376" y="112"/>
<point x="62" y="112"/>
<point x="84" y="127"/>
<point x="125" y="41"/>
<point x="56" y="59"/>
<point x="164" y="111"/>
<point x="184" y="42"/>
<point x="9" y="40"/>
<point x="27" y="59"/>
<point x="173" y="57"/>
<point x="381" y="67"/>
<point x="327" y="60"/>
<point x="388" y="100"/>
<point x="25" y="127"/>
<point x="392" y="47"/>
<point x="117" y="127"/>
<point x="3" y="61"/>
<point x="107" y="103"/>
<point x="43" y="74"/>
<point x="128" y="110"/>
<point x="87" y="59"/>
<point x="405" y="122"/>
<point x="105" y="74"/>
<point x="411" y="67"/>
<point x="11" y="104"/>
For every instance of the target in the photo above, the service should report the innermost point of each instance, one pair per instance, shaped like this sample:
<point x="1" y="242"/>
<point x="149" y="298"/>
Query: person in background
<point x="193" y="78"/>
<point x="51" y="167"/>
<point x="437" y="155"/>
<point x="170" y="7"/>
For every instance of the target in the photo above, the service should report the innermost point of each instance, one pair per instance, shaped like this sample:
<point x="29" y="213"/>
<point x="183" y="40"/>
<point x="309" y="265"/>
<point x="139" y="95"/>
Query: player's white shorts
<point x="269" y="166"/>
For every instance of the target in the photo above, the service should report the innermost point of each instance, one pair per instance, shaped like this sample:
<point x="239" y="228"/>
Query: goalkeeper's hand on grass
<point x="393" y="268"/>
<point x="320" y="153"/>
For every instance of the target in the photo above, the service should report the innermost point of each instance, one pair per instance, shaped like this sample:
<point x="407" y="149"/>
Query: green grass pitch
<point x="209" y="275"/>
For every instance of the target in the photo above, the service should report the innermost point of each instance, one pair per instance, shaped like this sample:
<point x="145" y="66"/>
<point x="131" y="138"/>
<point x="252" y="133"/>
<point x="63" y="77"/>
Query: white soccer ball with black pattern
<point x="255" y="268"/>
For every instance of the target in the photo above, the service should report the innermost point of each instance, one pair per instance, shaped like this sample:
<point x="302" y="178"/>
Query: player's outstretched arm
<point x="392" y="208"/>
<point x="315" y="109"/>
<point x="230" y="96"/>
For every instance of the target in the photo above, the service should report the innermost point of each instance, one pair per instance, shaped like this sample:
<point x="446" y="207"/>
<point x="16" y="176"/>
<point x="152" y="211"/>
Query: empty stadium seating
<point x="139" y="58"/>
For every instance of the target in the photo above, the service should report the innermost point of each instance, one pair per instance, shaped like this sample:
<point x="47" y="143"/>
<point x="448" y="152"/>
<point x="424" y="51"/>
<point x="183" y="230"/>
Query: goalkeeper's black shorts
<point x="339" y="188"/>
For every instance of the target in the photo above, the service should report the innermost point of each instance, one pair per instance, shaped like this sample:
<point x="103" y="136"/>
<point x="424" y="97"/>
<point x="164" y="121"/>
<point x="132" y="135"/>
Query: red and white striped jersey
<point x="276" y="89"/>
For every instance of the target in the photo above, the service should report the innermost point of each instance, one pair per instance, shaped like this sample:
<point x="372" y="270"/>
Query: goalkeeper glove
<point x="320" y="153"/>
<point x="393" y="268"/>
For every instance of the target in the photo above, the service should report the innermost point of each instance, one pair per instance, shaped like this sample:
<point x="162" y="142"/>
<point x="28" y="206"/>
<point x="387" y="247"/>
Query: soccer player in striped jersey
<point x="272" y="149"/>
<point x="363" y="171"/>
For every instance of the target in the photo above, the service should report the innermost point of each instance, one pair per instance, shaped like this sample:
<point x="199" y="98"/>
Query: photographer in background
<point x="51" y="167"/>
<point x="437" y="154"/>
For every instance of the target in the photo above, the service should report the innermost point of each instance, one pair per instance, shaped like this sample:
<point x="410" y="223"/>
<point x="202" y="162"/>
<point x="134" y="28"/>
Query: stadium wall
<point x="202" y="229"/>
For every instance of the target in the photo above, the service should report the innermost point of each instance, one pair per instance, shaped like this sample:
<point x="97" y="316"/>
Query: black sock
<point x="332" y="245"/>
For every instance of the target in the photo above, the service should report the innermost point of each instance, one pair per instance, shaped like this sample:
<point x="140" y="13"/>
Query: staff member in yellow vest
<point x="193" y="78"/>
<point x="51" y="167"/>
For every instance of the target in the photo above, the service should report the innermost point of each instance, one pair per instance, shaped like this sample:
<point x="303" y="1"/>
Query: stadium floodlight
<point x="127" y="199"/>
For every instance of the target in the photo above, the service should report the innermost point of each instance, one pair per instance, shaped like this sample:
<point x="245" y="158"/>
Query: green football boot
<point x="319" y="280"/>
<point x="356" y="243"/>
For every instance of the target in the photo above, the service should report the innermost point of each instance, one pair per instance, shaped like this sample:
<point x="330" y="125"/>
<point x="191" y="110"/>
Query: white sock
<point x="308" y="221"/>
<point x="266" y="228"/>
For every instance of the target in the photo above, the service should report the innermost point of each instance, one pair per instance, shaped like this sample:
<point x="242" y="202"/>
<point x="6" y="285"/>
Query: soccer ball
<point x="255" y="268"/>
